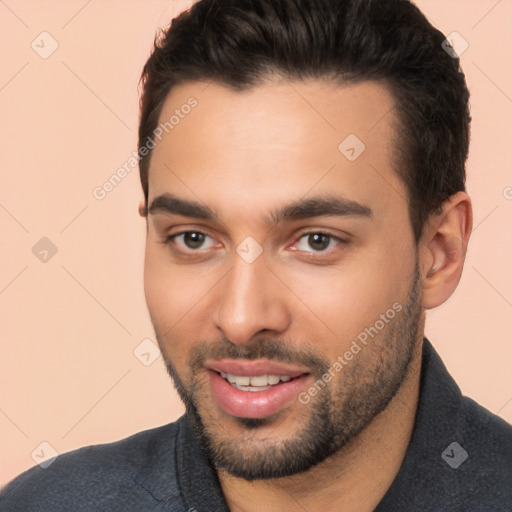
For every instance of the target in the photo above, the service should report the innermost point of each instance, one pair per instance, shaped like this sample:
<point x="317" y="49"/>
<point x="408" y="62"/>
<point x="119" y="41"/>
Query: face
<point x="281" y="271"/>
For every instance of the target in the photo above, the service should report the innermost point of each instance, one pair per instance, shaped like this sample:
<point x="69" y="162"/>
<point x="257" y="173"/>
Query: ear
<point x="143" y="212"/>
<point x="443" y="249"/>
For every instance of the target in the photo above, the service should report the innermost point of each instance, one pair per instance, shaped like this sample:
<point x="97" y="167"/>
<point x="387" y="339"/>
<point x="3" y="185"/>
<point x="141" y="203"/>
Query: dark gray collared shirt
<point x="459" y="459"/>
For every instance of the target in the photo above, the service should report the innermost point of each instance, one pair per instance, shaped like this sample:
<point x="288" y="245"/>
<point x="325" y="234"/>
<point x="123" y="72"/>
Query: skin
<point x="244" y="155"/>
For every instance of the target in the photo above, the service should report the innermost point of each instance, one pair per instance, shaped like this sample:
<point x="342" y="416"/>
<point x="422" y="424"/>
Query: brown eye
<point x="193" y="239"/>
<point x="318" y="241"/>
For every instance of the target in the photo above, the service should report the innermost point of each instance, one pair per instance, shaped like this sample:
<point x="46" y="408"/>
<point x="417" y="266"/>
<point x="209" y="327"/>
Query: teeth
<point x="261" y="380"/>
<point x="242" y="381"/>
<point x="257" y="381"/>
<point x="273" y="379"/>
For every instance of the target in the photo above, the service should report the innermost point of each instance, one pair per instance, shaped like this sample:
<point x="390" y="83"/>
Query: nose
<point x="251" y="300"/>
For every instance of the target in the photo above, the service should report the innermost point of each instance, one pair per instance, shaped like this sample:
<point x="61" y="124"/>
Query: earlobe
<point x="444" y="248"/>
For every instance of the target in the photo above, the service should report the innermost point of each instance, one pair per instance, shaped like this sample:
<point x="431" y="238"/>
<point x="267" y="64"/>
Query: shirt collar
<point x="439" y="402"/>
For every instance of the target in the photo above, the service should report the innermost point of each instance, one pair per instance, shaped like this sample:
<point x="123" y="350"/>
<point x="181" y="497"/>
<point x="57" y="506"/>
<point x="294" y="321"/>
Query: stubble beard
<point x="336" y="415"/>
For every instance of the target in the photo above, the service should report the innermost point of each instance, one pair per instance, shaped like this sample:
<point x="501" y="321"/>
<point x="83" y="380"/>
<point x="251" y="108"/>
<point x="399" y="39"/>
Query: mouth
<point x="255" y="389"/>
<point x="255" y="383"/>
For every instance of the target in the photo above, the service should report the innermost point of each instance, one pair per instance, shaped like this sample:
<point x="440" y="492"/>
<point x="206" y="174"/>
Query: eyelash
<point x="169" y="238"/>
<point x="169" y="241"/>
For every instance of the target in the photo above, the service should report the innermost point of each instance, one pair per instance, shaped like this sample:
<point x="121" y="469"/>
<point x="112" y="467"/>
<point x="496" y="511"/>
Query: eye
<point x="316" y="242"/>
<point x="192" y="240"/>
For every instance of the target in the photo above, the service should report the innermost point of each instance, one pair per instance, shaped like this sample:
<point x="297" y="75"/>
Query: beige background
<point x="68" y="374"/>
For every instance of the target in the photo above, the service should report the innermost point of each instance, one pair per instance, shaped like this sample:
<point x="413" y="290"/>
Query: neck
<point x="354" y="479"/>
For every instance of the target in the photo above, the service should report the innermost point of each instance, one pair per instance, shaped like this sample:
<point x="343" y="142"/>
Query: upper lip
<point x="245" y="368"/>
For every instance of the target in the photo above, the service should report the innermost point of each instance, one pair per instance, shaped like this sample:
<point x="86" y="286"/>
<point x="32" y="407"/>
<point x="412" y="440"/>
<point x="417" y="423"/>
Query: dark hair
<point x="243" y="43"/>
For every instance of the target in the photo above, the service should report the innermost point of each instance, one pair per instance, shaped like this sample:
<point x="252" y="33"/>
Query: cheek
<point x="165" y="309"/>
<point x="167" y="295"/>
<point x="352" y="297"/>
<point x="158" y="286"/>
<point x="175" y="296"/>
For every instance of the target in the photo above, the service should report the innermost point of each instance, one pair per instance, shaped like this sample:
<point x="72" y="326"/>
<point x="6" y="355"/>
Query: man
<point x="303" y="168"/>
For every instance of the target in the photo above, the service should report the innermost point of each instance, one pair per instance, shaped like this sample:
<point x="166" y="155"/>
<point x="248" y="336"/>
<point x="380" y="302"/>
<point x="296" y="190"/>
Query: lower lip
<point x="255" y="404"/>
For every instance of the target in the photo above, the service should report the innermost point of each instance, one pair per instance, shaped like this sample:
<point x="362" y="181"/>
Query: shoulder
<point x="485" y="428"/>
<point x="475" y="466"/>
<point x="487" y="441"/>
<point x="460" y="454"/>
<point x="101" y="477"/>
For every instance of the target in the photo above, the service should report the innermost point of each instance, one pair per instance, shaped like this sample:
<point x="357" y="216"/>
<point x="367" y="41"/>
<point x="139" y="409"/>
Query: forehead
<point x="277" y="142"/>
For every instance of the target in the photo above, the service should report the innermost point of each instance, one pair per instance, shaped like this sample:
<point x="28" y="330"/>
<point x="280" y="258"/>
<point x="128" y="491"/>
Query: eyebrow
<point x="167" y="203"/>
<point x="319" y="207"/>
<point x="301" y="209"/>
